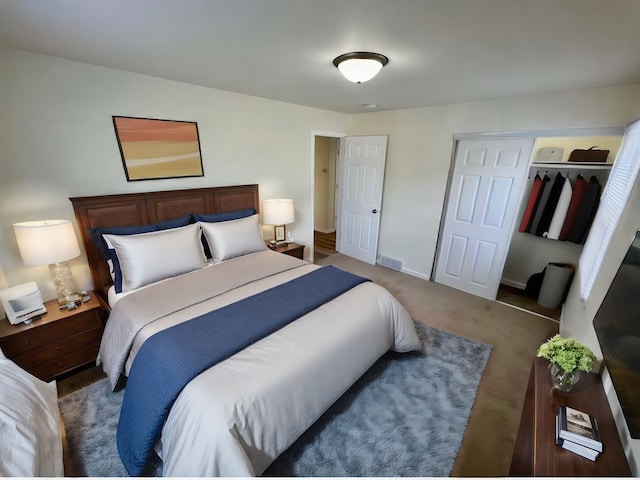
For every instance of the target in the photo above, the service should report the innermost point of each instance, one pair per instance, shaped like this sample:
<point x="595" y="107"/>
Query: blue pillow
<point x="223" y="217"/>
<point x="175" y="223"/>
<point x="117" y="271"/>
<point x="220" y="217"/>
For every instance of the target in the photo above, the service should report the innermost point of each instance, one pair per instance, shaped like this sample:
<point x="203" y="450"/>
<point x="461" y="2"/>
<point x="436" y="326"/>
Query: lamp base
<point x="63" y="281"/>
<point x="74" y="298"/>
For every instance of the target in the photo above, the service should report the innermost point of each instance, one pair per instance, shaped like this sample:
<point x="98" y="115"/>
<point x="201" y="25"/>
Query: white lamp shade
<point x="359" y="70"/>
<point x="46" y="242"/>
<point x="278" y="211"/>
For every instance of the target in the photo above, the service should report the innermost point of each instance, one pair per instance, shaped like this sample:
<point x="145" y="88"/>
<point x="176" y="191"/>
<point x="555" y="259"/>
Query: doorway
<point x="348" y="184"/>
<point x="324" y="212"/>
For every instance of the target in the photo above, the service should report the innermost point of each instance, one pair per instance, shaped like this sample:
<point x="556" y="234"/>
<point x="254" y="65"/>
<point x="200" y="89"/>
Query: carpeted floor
<point x="515" y="336"/>
<point x="405" y="417"/>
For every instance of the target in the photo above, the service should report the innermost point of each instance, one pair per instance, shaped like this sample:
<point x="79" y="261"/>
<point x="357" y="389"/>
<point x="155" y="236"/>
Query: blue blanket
<point x="171" y="358"/>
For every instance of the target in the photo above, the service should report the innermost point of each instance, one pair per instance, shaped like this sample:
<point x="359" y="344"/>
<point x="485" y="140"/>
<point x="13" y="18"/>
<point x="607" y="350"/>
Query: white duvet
<point x="235" y="418"/>
<point x="30" y="440"/>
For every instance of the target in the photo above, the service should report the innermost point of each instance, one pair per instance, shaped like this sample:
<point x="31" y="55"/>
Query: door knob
<point x="374" y="211"/>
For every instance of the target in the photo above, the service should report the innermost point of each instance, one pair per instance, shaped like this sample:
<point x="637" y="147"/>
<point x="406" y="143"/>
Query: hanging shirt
<point x="534" y="198"/>
<point x="550" y="205"/>
<point x="555" y="227"/>
<point x="579" y="190"/>
<point x="586" y="213"/>
<point x="546" y="190"/>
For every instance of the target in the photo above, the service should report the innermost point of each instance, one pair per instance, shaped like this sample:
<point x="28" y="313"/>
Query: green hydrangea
<point x="567" y="353"/>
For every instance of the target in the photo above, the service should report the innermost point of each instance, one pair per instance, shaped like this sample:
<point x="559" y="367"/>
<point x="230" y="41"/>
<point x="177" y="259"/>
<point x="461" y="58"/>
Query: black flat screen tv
<point x="617" y="325"/>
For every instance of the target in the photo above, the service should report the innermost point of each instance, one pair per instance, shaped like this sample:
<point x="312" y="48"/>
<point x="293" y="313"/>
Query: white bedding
<point x="30" y="441"/>
<point x="235" y="418"/>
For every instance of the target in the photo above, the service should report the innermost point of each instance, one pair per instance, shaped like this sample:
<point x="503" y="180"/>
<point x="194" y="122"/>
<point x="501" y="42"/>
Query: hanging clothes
<point x="555" y="227"/>
<point x="550" y="205"/>
<point x="586" y="213"/>
<point x="579" y="190"/>
<point x="544" y="195"/>
<point x="532" y="203"/>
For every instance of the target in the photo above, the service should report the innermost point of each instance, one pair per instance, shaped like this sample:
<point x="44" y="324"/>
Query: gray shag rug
<point x="405" y="417"/>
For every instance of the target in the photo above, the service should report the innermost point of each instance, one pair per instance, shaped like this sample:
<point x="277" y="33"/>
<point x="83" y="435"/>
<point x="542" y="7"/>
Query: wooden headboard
<point x="131" y="209"/>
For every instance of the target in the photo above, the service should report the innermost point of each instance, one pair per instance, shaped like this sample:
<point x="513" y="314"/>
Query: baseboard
<point x="413" y="273"/>
<point x="513" y="283"/>
<point x="408" y="271"/>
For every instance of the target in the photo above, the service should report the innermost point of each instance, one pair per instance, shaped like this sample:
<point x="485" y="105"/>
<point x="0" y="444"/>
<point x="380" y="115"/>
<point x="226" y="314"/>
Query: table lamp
<point x="278" y="212"/>
<point x="53" y="243"/>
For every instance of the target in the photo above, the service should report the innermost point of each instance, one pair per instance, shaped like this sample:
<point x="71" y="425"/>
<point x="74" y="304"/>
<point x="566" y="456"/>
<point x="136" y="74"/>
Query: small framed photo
<point x="280" y="233"/>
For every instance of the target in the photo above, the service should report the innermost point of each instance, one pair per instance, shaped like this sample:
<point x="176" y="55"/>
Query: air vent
<point x="392" y="263"/>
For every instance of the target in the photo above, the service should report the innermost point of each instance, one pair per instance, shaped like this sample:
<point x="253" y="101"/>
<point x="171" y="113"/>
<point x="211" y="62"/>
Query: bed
<point x="230" y="416"/>
<point x="31" y="433"/>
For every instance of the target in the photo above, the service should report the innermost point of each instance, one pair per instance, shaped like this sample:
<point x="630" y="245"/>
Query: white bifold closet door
<point x="483" y="200"/>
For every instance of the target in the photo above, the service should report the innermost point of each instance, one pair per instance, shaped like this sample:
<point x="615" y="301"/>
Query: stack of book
<point x="578" y="432"/>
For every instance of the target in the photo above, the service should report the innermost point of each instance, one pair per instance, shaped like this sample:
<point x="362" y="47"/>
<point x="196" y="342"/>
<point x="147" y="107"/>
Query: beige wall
<point x="420" y="149"/>
<point x="57" y="141"/>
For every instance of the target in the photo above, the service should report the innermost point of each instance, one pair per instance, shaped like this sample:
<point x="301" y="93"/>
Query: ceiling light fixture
<point x="359" y="67"/>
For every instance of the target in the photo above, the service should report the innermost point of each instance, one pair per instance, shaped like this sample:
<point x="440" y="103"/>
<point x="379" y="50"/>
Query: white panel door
<point x="360" y="186"/>
<point x="483" y="200"/>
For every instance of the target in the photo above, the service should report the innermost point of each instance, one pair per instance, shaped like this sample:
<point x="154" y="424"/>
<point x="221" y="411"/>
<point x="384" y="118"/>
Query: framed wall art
<point x="155" y="149"/>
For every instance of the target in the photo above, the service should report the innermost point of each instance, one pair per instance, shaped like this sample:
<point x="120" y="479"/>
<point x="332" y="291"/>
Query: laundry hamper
<point x="555" y="284"/>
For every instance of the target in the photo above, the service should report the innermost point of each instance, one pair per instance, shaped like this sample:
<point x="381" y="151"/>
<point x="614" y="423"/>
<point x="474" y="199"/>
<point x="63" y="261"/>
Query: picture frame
<point x="153" y="149"/>
<point x="280" y="233"/>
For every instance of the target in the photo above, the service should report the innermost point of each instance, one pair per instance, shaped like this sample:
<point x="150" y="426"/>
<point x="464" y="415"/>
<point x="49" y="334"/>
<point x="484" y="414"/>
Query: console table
<point x="536" y="452"/>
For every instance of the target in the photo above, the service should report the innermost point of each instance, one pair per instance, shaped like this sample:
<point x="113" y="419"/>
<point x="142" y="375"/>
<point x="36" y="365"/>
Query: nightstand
<point x="292" y="249"/>
<point x="60" y="341"/>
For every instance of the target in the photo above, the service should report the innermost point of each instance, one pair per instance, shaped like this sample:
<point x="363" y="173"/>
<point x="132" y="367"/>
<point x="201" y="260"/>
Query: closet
<point x="554" y="186"/>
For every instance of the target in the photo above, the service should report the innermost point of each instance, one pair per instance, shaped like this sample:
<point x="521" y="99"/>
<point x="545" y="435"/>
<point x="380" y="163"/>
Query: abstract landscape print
<point x="154" y="149"/>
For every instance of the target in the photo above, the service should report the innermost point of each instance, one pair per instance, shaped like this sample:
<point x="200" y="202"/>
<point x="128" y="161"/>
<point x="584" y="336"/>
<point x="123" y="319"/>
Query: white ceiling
<point x="440" y="51"/>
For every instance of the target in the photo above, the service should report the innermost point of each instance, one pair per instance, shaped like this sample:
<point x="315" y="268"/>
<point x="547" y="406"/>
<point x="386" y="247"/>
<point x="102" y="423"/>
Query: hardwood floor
<point x="324" y="244"/>
<point x="77" y="380"/>
<point x="514" y="334"/>
<point x="517" y="298"/>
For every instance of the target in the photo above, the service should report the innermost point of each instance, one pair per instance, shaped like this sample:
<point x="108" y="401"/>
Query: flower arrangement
<point x="568" y="354"/>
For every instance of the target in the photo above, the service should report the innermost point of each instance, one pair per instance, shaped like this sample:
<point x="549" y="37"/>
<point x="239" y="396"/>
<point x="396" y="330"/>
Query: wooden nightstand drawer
<point x="36" y="338"/>
<point x="63" y="363"/>
<point x="64" y="346"/>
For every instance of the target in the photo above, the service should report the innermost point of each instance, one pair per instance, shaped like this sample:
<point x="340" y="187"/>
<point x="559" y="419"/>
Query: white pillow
<point x="233" y="238"/>
<point x="148" y="257"/>
<point x="29" y="425"/>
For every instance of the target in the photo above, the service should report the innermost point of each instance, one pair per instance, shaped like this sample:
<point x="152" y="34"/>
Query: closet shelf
<point x="573" y="165"/>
